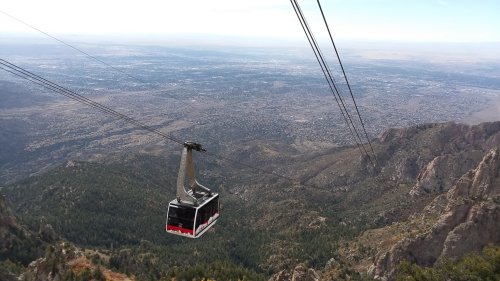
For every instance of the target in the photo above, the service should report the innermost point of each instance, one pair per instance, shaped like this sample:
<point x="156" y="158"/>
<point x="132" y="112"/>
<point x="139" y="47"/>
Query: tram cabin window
<point x="207" y="213"/>
<point x="181" y="218"/>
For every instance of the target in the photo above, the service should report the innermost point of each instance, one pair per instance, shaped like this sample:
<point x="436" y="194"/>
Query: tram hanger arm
<point x="183" y="195"/>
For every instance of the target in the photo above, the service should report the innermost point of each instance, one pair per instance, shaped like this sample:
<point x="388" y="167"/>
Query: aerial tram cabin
<point x="196" y="209"/>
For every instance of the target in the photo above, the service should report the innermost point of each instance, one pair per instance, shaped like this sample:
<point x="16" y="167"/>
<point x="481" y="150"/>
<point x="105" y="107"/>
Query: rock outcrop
<point x="405" y="152"/>
<point x="467" y="223"/>
<point x="19" y="244"/>
<point x="299" y="273"/>
<point x="64" y="260"/>
<point x="402" y="154"/>
<point x="443" y="171"/>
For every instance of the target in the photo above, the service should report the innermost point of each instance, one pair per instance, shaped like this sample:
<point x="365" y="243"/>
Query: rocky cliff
<point x="443" y="171"/>
<point x="436" y="154"/>
<point x="405" y="152"/>
<point x="451" y="172"/>
<point x="467" y="220"/>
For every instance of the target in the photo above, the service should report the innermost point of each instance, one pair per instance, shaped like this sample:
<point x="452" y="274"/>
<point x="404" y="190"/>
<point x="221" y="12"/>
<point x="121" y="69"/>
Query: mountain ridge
<point x="290" y="224"/>
<point x="467" y="223"/>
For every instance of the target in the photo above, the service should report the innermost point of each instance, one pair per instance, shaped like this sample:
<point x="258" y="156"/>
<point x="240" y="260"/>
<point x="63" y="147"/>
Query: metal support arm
<point x="195" y="189"/>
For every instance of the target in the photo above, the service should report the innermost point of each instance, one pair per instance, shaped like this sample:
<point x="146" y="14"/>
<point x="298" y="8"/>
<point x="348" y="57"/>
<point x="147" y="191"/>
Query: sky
<point x="362" y="20"/>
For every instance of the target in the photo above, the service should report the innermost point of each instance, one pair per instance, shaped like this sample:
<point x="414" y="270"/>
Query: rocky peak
<point x="483" y="182"/>
<point x="462" y="135"/>
<point x="442" y="172"/>
<point x="467" y="223"/>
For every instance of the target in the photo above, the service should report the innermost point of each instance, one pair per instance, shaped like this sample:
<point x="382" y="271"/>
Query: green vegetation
<point x="485" y="267"/>
<point x="120" y="208"/>
<point x="96" y="204"/>
<point x="9" y="270"/>
<point x="214" y="271"/>
<point x="17" y="244"/>
<point x="18" y="247"/>
<point x="85" y="275"/>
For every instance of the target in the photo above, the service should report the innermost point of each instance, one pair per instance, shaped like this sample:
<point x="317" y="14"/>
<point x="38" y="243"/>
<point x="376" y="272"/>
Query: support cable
<point x="320" y="60"/>
<point x="27" y="75"/>
<point x="328" y="76"/>
<point x="346" y="80"/>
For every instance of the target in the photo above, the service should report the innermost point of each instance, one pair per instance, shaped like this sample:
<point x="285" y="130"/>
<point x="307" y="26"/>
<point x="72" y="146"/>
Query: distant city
<point x="222" y="98"/>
